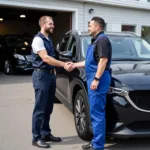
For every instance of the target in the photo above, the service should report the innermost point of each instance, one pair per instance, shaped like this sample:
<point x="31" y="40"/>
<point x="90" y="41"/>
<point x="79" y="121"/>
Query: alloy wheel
<point x="80" y="115"/>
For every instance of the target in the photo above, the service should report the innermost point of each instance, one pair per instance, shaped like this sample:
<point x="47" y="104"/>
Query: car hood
<point x="131" y="73"/>
<point x="26" y="50"/>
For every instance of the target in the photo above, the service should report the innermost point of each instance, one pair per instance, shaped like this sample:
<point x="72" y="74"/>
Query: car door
<point x="63" y="76"/>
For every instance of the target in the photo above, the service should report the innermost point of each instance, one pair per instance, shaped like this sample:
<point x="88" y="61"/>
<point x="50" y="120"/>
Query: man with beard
<point x="97" y="66"/>
<point x="44" y="83"/>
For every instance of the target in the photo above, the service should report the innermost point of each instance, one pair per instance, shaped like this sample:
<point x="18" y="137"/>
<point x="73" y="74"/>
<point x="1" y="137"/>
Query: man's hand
<point x="69" y="66"/>
<point x="94" y="85"/>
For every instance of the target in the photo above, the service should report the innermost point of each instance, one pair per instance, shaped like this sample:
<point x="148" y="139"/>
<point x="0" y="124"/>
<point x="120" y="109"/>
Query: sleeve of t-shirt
<point x="103" y="48"/>
<point x="37" y="45"/>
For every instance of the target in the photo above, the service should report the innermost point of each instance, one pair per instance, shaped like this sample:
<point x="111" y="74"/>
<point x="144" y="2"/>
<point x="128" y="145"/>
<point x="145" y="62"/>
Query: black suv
<point x="15" y="53"/>
<point x="128" y="99"/>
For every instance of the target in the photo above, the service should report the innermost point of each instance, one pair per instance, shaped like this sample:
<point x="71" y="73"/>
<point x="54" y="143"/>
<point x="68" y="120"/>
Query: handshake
<point x="69" y="66"/>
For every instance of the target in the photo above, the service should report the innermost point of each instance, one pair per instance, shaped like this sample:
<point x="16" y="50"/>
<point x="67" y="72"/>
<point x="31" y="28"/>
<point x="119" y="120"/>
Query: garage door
<point x="25" y="21"/>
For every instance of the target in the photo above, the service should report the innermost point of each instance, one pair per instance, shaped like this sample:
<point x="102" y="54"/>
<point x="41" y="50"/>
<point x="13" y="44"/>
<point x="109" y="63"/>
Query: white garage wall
<point x="57" y="5"/>
<point x="113" y="15"/>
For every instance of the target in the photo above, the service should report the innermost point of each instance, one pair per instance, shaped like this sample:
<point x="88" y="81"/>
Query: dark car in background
<point x="128" y="99"/>
<point x="15" y="53"/>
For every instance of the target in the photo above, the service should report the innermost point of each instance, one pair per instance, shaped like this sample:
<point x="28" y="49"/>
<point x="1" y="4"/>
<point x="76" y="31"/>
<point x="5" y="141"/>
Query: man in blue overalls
<point x="97" y="66"/>
<point x="44" y="83"/>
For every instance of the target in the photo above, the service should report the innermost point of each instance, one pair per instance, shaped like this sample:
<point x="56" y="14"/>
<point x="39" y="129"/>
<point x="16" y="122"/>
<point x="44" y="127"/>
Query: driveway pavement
<point x="16" y="105"/>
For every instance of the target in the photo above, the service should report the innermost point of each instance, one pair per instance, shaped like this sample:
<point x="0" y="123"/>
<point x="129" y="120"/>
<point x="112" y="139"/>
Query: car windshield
<point x="123" y="47"/>
<point x="18" y="41"/>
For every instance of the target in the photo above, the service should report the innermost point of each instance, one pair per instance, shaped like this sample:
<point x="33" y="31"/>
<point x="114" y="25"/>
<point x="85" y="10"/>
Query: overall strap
<point x="102" y="34"/>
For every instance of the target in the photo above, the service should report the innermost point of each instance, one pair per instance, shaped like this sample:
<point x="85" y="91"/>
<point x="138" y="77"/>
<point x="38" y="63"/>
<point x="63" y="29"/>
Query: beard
<point x="92" y="33"/>
<point x="49" y="30"/>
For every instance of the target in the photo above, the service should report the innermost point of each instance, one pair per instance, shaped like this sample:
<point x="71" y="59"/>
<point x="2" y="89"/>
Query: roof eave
<point x="128" y="4"/>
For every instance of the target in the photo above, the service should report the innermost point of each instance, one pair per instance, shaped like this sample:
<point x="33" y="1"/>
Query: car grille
<point x="29" y="58"/>
<point x="139" y="126"/>
<point x="141" y="99"/>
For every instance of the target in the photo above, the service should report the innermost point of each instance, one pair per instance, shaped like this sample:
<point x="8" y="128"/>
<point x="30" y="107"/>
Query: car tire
<point x="81" y="116"/>
<point x="8" y="69"/>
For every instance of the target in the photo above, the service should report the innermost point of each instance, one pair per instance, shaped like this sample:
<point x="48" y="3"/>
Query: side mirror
<point x="66" y="56"/>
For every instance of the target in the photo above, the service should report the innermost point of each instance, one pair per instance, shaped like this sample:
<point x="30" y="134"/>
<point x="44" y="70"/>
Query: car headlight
<point x="118" y="91"/>
<point x="20" y="57"/>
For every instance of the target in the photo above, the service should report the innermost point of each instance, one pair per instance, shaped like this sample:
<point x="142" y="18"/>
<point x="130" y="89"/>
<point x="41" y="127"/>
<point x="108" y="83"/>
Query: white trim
<point x="139" y="30"/>
<point x="45" y="7"/>
<point x="75" y="20"/>
<point x="31" y="5"/>
<point x="129" y="4"/>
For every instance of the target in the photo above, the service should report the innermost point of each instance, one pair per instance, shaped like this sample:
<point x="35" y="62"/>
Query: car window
<point x="86" y="41"/>
<point x="129" y="47"/>
<point x="123" y="47"/>
<point x="64" y="44"/>
<point x="72" y="46"/>
<point x="142" y="47"/>
<point x="19" y="41"/>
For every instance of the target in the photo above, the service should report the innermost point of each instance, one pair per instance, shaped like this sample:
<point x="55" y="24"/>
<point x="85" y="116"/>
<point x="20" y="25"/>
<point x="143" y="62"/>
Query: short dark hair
<point x="100" y="21"/>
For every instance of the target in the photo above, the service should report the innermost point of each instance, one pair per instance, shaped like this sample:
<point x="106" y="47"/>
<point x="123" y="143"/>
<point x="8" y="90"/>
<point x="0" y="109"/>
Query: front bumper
<point x="127" y="133"/>
<point x="25" y="67"/>
<point x="126" y="118"/>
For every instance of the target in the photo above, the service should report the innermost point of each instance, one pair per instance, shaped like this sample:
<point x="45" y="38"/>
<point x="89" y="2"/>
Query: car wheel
<point x="8" y="67"/>
<point x="81" y="116"/>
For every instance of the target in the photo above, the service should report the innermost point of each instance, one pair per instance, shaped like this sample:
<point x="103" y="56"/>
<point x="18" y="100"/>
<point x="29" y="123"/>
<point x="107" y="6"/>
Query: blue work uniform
<point x="97" y="98"/>
<point x="44" y="84"/>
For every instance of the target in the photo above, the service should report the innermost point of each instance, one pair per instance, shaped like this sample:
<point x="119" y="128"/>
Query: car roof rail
<point x="76" y="31"/>
<point x="129" y="32"/>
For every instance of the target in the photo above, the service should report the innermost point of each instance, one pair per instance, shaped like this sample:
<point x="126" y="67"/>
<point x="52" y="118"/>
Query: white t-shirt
<point x="37" y="44"/>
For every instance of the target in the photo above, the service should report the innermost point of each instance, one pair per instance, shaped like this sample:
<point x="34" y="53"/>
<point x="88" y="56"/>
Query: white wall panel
<point x="114" y="15"/>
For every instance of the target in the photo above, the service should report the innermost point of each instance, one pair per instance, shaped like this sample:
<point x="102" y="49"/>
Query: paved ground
<point x="16" y="105"/>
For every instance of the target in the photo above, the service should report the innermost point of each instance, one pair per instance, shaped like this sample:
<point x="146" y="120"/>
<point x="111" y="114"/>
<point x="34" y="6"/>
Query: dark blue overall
<point x="97" y="98"/>
<point x="44" y="85"/>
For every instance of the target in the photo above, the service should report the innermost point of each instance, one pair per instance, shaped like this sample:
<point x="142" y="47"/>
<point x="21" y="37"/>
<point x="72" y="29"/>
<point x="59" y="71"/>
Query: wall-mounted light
<point x="1" y="19"/>
<point x="22" y="16"/>
<point x="91" y="10"/>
